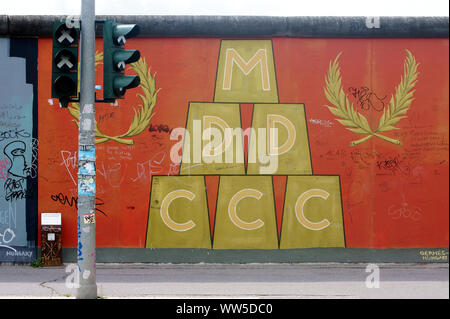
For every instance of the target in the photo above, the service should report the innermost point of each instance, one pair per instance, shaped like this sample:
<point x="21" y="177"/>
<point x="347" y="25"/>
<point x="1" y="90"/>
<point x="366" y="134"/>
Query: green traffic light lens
<point x="123" y="57"/>
<point x="65" y="86"/>
<point x="66" y="36"/>
<point x="65" y="61"/>
<point x="125" y="82"/>
<point x="125" y="31"/>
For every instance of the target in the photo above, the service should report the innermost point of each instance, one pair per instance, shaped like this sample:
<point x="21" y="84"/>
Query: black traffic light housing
<point x="115" y="59"/>
<point x="65" y="62"/>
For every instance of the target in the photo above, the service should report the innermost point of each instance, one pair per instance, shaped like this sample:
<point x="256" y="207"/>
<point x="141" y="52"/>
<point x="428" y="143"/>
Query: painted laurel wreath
<point x="141" y="117"/>
<point x="392" y="114"/>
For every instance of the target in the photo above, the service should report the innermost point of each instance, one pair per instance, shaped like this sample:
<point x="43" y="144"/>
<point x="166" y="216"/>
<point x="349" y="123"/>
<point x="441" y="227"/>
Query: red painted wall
<point x="392" y="196"/>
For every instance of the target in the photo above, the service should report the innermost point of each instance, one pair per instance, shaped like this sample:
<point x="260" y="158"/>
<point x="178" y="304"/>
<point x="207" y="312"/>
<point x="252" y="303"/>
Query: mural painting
<point x="245" y="216"/>
<point x="18" y="150"/>
<point x="261" y="144"/>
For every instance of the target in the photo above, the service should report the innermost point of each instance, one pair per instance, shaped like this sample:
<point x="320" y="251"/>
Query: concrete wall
<point x="362" y="167"/>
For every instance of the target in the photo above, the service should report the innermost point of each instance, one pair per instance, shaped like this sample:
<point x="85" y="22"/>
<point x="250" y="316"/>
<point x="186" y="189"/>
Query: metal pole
<point x="87" y="287"/>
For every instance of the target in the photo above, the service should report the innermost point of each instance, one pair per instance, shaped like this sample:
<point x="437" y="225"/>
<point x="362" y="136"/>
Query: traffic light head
<point x="115" y="59"/>
<point x="65" y="62"/>
<point x="122" y="83"/>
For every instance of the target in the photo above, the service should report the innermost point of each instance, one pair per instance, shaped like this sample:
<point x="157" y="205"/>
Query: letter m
<point x="259" y="58"/>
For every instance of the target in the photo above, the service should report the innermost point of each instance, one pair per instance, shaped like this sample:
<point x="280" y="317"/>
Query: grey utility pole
<point x="87" y="287"/>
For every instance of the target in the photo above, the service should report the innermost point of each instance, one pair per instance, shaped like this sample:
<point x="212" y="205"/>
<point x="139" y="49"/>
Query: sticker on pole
<point x="86" y="185"/>
<point x="87" y="153"/>
<point x="89" y="218"/>
<point x="86" y="168"/>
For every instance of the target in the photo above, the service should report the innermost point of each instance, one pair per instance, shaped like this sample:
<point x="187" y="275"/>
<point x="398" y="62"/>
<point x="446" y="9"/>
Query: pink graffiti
<point x="4" y="163"/>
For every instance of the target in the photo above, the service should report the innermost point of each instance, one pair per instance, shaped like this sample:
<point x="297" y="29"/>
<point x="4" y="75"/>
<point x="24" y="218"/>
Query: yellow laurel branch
<point x="356" y="122"/>
<point x="399" y="105"/>
<point x="142" y="117"/>
<point x="400" y="102"/>
<point x="350" y="118"/>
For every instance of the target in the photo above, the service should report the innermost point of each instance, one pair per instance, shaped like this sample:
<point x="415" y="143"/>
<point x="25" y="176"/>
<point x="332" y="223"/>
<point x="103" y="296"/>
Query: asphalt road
<point x="190" y="281"/>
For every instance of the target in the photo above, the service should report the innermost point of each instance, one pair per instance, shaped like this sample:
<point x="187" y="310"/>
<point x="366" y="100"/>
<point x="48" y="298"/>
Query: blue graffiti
<point x="80" y="247"/>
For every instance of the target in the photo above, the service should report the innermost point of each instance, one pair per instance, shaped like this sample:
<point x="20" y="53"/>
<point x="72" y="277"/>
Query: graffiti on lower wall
<point x="18" y="152"/>
<point x="279" y="143"/>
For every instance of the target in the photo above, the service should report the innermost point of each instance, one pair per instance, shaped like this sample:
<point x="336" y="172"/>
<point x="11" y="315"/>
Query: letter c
<point x="233" y="205"/>
<point x="164" y="211"/>
<point x="299" y="213"/>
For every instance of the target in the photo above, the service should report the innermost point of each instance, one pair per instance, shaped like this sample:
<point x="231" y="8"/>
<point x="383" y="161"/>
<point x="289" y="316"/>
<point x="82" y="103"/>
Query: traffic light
<point x="115" y="59"/>
<point x="65" y="62"/>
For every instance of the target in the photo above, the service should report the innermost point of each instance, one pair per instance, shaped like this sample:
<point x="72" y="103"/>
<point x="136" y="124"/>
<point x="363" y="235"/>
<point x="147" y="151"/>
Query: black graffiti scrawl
<point x="16" y="185"/>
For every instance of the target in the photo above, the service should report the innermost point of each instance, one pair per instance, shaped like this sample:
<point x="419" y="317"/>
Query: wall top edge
<point x="247" y="26"/>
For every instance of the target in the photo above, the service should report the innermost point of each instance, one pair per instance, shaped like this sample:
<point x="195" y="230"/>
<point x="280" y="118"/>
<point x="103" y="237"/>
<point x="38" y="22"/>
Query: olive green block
<point x="245" y="215"/>
<point x="292" y="154"/>
<point x="178" y="214"/>
<point x="312" y="216"/>
<point x="198" y="143"/>
<point x="246" y="72"/>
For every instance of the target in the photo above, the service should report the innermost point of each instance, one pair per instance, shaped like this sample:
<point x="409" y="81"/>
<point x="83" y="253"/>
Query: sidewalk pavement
<point x="191" y="281"/>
